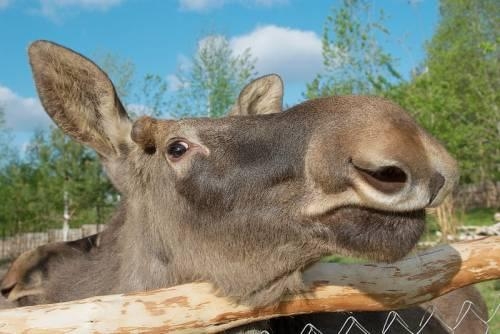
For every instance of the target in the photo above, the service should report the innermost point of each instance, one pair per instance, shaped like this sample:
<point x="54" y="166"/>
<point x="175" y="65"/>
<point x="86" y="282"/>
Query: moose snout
<point x="374" y="155"/>
<point x="393" y="179"/>
<point x="386" y="179"/>
<point x="401" y="186"/>
<point x="389" y="183"/>
<point x="435" y="185"/>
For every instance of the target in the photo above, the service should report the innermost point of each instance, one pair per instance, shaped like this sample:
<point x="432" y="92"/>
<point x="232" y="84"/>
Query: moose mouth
<point x="374" y="234"/>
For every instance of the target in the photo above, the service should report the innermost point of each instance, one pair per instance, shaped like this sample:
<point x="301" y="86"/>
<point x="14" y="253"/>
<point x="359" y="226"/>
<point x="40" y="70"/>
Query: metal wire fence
<point x="396" y="323"/>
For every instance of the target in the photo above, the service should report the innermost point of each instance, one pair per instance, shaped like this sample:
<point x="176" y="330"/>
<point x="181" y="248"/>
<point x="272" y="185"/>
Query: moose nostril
<point x="389" y="174"/>
<point x="435" y="184"/>
<point x="6" y="290"/>
<point x="387" y="179"/>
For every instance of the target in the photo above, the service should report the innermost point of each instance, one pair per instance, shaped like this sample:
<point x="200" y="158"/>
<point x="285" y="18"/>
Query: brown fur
<point x="254" y="200"/>
<point x="24" y="280"/>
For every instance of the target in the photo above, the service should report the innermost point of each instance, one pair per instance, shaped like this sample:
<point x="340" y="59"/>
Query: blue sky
<point x="284" y="36"/>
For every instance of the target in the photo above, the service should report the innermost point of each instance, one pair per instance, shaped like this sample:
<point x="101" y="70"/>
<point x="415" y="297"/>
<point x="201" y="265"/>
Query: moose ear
<point x="79" y="97"/>
<point x="262" y="96"/>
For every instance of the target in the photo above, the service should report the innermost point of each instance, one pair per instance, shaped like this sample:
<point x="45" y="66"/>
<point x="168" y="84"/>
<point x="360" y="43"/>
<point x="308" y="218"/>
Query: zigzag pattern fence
<point x="395" y="321"/>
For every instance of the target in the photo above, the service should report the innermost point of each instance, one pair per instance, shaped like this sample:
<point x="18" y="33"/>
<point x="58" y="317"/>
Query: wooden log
<point x="194" y="308"/>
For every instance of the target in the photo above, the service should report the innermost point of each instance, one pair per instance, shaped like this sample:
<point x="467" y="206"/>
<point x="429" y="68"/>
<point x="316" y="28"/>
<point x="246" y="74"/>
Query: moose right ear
<point x="79" y="97"/>
<point x="261" y="96"/>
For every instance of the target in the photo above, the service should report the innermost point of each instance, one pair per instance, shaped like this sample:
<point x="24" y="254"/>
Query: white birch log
<point x="194" y="308"/>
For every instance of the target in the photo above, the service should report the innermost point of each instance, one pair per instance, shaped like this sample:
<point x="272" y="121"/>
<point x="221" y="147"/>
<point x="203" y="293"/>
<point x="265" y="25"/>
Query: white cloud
<point x="4" y="4"/>
<point x="55" y="8"/>
<point x="203" y="5"/>
<point x="292" y="53"/>
<point x="22" y="113"/>
<point x="139" y="109"/>
<point x="184" y="65"/>
<point x="200" y="5"/>
<point x="215" y="41"/>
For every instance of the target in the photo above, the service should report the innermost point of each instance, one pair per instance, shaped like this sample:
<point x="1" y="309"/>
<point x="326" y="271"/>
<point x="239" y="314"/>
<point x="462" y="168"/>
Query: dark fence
<point x="12" y="246"/>
<point x="483" y="195"/>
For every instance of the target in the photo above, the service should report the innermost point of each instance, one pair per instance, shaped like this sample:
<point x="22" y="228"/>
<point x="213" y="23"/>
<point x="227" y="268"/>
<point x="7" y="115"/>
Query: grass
<point x="474" y="217"/>
<point x="491" y="293"/>
<point x="342" y="259"/>
<point x="431" y="227"/>
<point x="477" y="217"/>
<point x="489" y="290"/>
<point x="4" y="262"/>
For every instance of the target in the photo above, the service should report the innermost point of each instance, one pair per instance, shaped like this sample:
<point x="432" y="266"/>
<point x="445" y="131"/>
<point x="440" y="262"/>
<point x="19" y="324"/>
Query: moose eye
<point x="177" y="149"/>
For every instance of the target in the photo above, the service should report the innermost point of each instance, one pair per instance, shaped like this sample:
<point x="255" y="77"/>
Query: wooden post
<point x="194" y="308"/>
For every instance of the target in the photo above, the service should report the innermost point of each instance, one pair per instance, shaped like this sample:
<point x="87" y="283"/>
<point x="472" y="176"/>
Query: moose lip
<point x="375" y="234"/>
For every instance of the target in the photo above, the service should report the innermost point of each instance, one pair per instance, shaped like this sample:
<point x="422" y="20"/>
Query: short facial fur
<point x="255" y="198"/>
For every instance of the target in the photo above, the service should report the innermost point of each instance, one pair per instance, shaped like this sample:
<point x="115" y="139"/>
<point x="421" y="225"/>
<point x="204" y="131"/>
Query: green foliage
<point x="64" y="165"/>
<point x="354" y="61"/>
<point x="473" y="217"/>
<point x="456" y="97"/>
<point x="490" y="292"/>
<point x="343" y="259"/>
<point x="120" y="71"/>
<point x="33" y="189"/>
<point x="152" y="95"/>
<point x="147" y="97"/>
<point x="210" y="85"/>
<point x="6" y="151"/>
<point x="477" y="217"/>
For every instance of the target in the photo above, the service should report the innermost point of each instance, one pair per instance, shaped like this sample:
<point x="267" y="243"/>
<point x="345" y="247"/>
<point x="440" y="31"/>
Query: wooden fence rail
<point x="194" y="308"/>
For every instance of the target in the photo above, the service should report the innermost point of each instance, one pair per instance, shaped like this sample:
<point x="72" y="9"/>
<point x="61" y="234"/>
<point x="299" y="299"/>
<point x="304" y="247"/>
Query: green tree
<point x="354" y="61"/>
<point x="210" y="85"/>
<point x="147" y="96"/>
<point x="10" y="187"/>
<point x="456" y="94"/>
<point x="6" y="151"/>
<point x="151" y="95"/>
<point x="17" y="198"/>
<point x="121" y="71"/>
<point x="70" y="177"/>
<point x="59" y="181"/>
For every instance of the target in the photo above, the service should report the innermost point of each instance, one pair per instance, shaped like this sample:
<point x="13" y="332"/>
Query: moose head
<point x="246" y="202"/>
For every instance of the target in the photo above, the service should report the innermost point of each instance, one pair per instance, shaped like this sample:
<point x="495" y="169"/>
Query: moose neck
<point x="256" y="267"/>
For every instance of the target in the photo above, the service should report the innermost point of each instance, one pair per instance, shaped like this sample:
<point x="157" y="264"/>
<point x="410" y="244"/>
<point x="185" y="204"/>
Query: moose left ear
<point x="80" y="98"/>
<point x="262" y="96"/>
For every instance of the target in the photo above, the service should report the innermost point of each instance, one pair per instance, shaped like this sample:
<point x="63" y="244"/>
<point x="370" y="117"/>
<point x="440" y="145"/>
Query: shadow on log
<point x="332" y="287"/>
